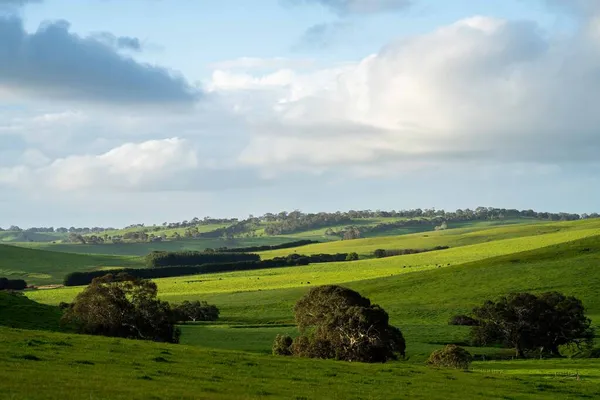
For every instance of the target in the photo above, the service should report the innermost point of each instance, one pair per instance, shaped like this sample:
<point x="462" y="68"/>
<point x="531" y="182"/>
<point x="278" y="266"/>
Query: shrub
<point x="352" y="257"/>
<point x="12" y="284"/>
<point x="379" y="253"/>
<point x="282" y="346"/>
<point x="451" y="356"/>
<point x="463" y="320"/>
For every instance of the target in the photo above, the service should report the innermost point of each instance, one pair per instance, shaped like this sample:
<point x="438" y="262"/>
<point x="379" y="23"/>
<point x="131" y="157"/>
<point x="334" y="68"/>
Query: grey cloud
<point x="119" y="42"/>
<point x="322" y="36"/>
<point x="358" y="7"/>
<point x="18" y="2"/>
<point x="56" y="63"/>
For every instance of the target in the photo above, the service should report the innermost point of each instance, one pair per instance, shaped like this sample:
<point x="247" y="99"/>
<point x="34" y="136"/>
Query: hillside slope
<point x="49" y="267"/>
<point x="18" y="311"/>
<point x="37" y="365"/>
<point x="451" y="237"/>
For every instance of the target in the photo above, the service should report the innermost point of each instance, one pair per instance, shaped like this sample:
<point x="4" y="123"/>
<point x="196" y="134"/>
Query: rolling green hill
<point x="17" y="311"/>
<point x="38" y="365"/>
<point x="49" y="267"/>
<point x="419" y="291"/>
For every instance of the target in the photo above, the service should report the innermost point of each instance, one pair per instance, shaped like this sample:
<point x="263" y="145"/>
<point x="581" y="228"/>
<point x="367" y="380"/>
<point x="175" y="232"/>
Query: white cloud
<point x="479" y="89"/>
<point x="131" y="166"/>
<point x="256" y="63"/>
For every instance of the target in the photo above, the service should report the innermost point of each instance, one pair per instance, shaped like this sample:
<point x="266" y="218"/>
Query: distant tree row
<point x="12" y="284"/>
<point x="381" y="253"/>
<point x="85" y="278"/>
<point x="296" y="221"/>
<point x="168" y="259"/>
<point x="287" y="245"/>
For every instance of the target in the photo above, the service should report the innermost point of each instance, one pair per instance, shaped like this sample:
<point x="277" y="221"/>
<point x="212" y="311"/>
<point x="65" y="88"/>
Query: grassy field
<point x="230" y="359"/>
<point x="49" y="267"/>
<point x="141" y="249"/>
<point x="24" y="237"/>
<point x="36" y="365"/>
<point x="451" y="237"/>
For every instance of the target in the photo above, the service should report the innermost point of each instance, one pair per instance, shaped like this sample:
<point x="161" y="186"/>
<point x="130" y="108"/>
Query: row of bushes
<point x="12" y="284"/>
<point x="166" y="259"/>
<point x="85" y="278"/>
<point x="381" y="253"/>
<point x="287" y="245"/>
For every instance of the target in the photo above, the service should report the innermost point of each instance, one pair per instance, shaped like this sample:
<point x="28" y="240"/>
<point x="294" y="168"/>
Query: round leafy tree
<point x="339" y="323"/>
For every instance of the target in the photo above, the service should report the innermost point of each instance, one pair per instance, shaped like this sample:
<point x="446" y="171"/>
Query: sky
<point x="147" y="111"/>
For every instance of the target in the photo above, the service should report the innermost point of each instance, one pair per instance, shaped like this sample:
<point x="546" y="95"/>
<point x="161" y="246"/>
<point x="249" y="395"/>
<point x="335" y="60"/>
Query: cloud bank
<point x="56" y="63"/>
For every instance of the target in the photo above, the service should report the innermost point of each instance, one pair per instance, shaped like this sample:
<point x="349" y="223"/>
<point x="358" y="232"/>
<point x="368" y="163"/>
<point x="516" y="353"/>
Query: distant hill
<point x="48" y="267"/>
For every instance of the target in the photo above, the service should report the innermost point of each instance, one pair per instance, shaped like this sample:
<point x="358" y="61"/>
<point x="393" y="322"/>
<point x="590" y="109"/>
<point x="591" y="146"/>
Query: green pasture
<point x="49" y="267"/>
<point x="451" y="237"/>
<point x="231" y="358"/>
<point x="141" y="249"/>
<point x="44" y="365"/>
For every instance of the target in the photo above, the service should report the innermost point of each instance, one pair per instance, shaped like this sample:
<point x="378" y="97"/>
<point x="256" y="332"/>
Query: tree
<point x="352" y="257"/>
<point x="196" y="311"/>
<point x="528" y="322"/>
<point x="123" y="306"/>
<point x="336" y="322"/>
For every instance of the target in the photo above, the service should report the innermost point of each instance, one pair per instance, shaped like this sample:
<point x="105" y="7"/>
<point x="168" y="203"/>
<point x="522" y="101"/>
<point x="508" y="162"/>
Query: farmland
<point x="419" y="291"/>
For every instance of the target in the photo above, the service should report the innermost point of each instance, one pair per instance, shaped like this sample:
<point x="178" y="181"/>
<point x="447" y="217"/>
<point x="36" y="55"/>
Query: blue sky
<point x="117" y="112"/>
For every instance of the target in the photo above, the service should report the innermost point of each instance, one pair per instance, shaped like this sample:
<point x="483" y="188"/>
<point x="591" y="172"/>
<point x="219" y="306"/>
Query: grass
<point x="319" y="274"/>
<point x="230" y="359"/>
<point x="451" y="237"/>
<point x="14" y="236"/>
<point x="18" y="311"/>
<point x="141" y="249"/>
<point x="420" y="303"/>
<point x="49" y="267"/>
<point x="36" y="365"/>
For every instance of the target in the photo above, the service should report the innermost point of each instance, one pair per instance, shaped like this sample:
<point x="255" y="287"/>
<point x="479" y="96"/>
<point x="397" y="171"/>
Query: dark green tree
<point x="123" y="306"/>
<point x="527" y="322"/>
<point x="336" y="322"/>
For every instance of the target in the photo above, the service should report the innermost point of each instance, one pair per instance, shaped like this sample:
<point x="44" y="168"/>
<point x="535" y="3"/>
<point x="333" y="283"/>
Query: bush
<point x="282" y="346"/>
<point x="451" y="356"/>
<point x="379" y="253"/>
<point x="463" y="320"/>
<point x="12" y="284"/>
<point x="352" y="257"/>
